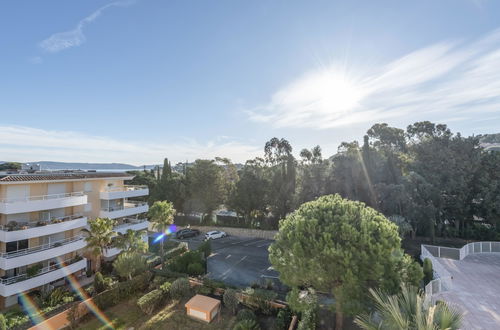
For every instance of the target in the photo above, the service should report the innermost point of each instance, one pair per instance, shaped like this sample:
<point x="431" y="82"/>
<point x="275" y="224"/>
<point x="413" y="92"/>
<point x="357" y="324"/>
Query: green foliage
<point x="180" y="288"/>
<point x="3" y="322"/>
<point x="161" y="215"/>
<point x="129" y="264"/>
<point x="132" y="241"/>
<point x="204" y="290"/>
<point x="428" y="271"/>
<point x="100" y="283"/>
<point x="150" y="301"/>
<point x="33" y="270"/>
<point x="283" y="319"/>
<point x="338" y="246"/>
<point x="247" y="325"/>
<point x="195" y="269"/>
<point x="181" y="263"/>
<point x="73" y="315"/>
<point x="10" y="166"/>
<point x="99" y="236"/>
<point x="407" y="310"/>
<point x="165" y="287"/>
<point x="230" y="300"/>
<point x="245" y="314"/>
<point x="123" y="290"/>
<point x="308" y="320"/>
<point x="301" y="301"/>
<point x="259" y="299"/>
<point x="205" y="248"/>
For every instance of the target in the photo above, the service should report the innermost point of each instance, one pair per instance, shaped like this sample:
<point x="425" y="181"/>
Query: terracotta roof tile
<point x="59" y="176"/>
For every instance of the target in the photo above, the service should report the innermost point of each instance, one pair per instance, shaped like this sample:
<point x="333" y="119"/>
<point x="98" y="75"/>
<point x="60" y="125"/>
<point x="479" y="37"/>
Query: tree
<point x="205" y="187"/>
<point x="132" y="241"/>
<point x="99" y="238"/>
<point x="161" y="214"/>
<point x="407" y="310"/>
<point x="231" y="300"/>
<point x="129" y="264"/>
<point x="3" y="322"/>
<point x="170" y="186"/>
<point x="339" y="246"/>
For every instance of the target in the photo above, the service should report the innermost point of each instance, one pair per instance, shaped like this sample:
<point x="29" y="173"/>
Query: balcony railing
<point x="18" y="253"/>
<point x="127" y="188"/>
<point x="41" y="198"/>
<point x="22" y="277"/>
<point x="127" y="222"/>
<point x="14" y="225"/>
<point x="126" y="205"/>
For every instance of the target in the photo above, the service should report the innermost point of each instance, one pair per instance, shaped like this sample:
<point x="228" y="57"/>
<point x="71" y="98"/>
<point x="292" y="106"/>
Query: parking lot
<point x="238" y="261"/>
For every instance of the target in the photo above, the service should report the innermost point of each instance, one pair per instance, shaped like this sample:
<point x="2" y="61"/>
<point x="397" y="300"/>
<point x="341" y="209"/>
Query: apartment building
<point x="41" y="218"/>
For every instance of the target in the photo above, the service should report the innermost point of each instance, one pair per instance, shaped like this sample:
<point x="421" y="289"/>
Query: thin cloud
<point x="63" y="40"/>
<point x="449" y="79"/>
<point x="20" y="143"/>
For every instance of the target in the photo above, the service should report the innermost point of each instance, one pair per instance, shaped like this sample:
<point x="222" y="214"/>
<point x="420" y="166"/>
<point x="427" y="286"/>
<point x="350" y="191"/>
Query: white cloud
<point x="448" y="79"/>
<point x="19" y="143"/>
<point x="75" y="37"/>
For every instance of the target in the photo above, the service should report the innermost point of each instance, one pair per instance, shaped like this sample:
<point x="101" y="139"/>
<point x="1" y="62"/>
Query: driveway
<point x="238" y="261"/>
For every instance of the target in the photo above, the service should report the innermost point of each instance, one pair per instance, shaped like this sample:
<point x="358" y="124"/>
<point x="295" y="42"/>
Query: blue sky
<point x="136" y="81"/>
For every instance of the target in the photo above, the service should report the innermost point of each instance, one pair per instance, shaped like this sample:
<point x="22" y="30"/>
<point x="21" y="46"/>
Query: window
<point x="17" y="245"/>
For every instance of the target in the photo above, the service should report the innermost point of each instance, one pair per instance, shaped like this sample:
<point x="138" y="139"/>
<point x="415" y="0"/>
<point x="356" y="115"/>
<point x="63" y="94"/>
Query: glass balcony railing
<point x="126" y="205"/>
<point x="41" y="197"/>
<point x="23" y="225"/>
<point x="38" y="248"/>
<point x="126" y="188"/>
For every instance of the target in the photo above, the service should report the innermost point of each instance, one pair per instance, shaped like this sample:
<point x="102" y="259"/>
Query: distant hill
<point x="46" y="165"/>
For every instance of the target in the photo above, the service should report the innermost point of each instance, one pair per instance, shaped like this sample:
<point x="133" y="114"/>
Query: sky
<point x="137" y="81"/>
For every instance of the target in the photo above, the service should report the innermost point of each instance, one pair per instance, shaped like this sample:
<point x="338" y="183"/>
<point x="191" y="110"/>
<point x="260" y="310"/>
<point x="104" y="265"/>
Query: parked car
<point x="187" y="232"/>
<point x="215" y="234"/>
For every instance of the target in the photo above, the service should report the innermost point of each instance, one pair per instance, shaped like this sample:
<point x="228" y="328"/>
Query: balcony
<point x="129" y="208"/>
<point x="134" y="224"/>
<point x="9" y="260"/>
<point x="111" y="252"/>
<point x="16" y="231"/>
<point x="40" y="203"/>
<point x="16" y="284"/>
<point x="124" y="192"/>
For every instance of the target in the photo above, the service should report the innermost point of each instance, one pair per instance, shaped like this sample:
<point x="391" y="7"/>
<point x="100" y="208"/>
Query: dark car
<point x="188" y="232"/>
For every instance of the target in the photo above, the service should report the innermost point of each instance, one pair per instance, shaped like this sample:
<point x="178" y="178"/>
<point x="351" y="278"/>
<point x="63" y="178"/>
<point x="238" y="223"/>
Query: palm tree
<point x="99" y="238"/>
<point x="161" y="215"/>
<point x="131" y="241"/>
<point x="408" y="311"/>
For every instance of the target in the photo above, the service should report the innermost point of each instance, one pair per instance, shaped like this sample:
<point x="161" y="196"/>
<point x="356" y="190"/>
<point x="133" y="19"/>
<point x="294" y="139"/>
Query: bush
<point x="100" y="284"/>
<point x="214" y="284"/>
<point x="180" y="288"/>
<point x="428" y="271"/>
<point x="195" y="269"/>
<point x="308" y="320"/>
<point x="283" y="319"/>
<point x="181" y="263"/>
<point x="165" y="287"/>
<point x="158" y="281"/>
<point x="260" y="299"/>
<point x="3" y="322"/>
<point x="230" y="300"/>
<point x="73" y="315"/>
<point x="245" y="314"/>
<point x="246" y="325"/>
<point x="150" y="301"/>
<point x="204" y="290"/>
<point x="205" y="248"/>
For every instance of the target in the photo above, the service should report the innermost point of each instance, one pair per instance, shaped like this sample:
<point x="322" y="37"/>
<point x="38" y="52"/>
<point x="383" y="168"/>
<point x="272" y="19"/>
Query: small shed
<point x="203" y="308"/>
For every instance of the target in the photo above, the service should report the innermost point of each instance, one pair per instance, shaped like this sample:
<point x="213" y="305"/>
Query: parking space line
<point x="259" y="241"/>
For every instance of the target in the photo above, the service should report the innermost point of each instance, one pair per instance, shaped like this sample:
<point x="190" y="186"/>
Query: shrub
<point x="246" y="325"/>
<point x="180" y="288"/>
<point x="260" y="299"/>
<point x="195" y="269"/>
<point x="3" y="322"/>
<point x="245" y="314"/>
<point x="150" y="301"/>
<point x="283" y="319"/>
<point x="214" y="284"/>
<point x="73" y="315"/>
<point x="129" y="264"/>
<point x="203" y="289"/>
<point x="230" y="300"/>
<point x="428" y="271"/>
<point x="100" y="284"/>
<point x="165" y="287"/>
<point x="205" y="248"/>
<point x="182" y="262"/>
<point x="108" y="298"/>
<point x="308" y="320"/>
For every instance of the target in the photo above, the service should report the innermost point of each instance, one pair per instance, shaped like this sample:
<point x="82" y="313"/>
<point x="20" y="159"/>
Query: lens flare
<point x="30" y="308"/>
<point x="86" y="299"/>
<point x="170" y="230"/>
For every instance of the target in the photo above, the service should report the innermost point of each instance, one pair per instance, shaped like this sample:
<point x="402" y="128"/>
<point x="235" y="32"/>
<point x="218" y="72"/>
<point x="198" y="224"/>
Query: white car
<point x="215" y="234"/>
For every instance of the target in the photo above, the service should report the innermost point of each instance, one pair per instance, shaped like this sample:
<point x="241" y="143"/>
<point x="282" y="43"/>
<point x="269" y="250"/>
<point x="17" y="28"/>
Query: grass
<point x="171" y="316"/>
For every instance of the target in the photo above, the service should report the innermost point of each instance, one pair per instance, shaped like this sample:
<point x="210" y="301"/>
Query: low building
<point x="203" y="308"/>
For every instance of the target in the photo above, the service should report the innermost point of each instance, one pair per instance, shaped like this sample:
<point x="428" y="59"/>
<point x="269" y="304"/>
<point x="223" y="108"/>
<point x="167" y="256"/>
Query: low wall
<point x="245" y="232"/>
<point x="60" y="321"/>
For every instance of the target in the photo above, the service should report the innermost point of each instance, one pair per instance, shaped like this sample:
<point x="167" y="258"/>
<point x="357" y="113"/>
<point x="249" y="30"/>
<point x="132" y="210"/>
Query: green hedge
<point x="122" y="291"/>
<point x="150" y="301"/>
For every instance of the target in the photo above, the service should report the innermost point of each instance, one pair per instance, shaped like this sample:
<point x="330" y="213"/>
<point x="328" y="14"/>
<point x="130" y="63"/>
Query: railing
<point x="22" y="277"/>
<point x="40" y="198"/>
<point x="127" y="188"/>
<point x="126" y="205"/>
<point x="129" y="221"/>
<point x="39" y="223"/>
<point x="442" y="281"/>
<point x="18" y="253"/>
